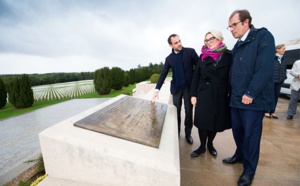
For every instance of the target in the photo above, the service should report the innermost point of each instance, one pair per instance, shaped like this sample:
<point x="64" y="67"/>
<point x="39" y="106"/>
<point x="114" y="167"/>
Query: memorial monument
<point x="129" y="118"/>
<point x="123" y="141"/>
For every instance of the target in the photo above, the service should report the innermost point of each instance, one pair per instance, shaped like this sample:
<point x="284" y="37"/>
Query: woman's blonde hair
<point x="216" y="33"/>
<point x="279" y="46"/>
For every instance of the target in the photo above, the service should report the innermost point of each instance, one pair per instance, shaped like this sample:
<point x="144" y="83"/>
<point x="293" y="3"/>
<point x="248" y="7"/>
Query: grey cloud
<point x="128" y="32"/>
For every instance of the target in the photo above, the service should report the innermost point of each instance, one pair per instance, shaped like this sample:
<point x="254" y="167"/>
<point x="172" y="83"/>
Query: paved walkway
<point x="19" y="140"/>
<point x="279" y="161"/>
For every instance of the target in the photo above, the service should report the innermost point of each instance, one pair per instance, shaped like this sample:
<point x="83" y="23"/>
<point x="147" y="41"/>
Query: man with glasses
<point x="252" y="91"/>
<point x="183" y="62"/>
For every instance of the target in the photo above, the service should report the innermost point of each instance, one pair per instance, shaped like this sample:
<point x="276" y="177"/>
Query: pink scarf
<point x="214" y="53"/>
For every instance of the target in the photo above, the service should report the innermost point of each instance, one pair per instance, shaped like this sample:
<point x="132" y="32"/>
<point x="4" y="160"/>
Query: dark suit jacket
<point x="189" y="60"/>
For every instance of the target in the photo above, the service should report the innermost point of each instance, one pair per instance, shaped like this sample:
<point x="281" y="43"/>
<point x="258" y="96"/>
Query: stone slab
<point x="129" y="118"/>
<point x="143" y="88"/>
<point x="71" y="153"/>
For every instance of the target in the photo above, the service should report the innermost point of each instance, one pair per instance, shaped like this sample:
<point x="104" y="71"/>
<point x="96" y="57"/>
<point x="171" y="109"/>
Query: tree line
<point x="52" y="78"/>
<point x="18" y="87"/>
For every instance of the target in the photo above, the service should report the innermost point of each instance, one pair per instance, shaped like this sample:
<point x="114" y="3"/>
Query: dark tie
<point x="239" y="43"/>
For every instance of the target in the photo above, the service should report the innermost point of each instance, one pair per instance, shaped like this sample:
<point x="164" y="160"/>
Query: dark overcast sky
<point x="74" y="36"/>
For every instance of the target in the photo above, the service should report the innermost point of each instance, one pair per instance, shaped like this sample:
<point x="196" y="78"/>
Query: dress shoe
<point x="189" y="139"/>
<point x="232" y="160"/>
<point x="212" y="151"/>
<point x="197" y="152"/>
<point x="245" y="180"/>
<point x="275" y="117"/>
<point x="289" y="117"/>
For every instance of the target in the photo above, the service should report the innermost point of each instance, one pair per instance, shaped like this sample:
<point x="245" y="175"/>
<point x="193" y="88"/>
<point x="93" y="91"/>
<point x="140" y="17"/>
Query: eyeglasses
<point x="209" y="40"/>
<point x="233" y="25"/>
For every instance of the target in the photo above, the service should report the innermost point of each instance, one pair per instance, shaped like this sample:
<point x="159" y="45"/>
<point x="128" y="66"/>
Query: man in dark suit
<point x="252" y="90"/>
<point x="182" y="61"/>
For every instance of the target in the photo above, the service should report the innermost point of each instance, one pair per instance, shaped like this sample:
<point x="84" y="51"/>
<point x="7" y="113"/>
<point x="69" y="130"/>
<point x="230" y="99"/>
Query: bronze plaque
<point x="129" y="118"/>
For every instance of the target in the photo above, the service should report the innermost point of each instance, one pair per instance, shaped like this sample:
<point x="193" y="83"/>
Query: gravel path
<point x="19" y="140"/>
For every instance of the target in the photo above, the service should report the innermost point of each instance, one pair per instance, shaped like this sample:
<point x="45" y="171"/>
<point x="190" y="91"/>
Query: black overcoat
<point x="210" y="84"/>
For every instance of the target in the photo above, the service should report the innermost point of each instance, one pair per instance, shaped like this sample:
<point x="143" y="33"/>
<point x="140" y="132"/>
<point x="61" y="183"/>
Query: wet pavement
<point x="279" y="163"/>
<point x="19" y="140"/>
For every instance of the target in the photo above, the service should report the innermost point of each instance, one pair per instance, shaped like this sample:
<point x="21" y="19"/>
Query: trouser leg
<point x="188" y="107"/>
<point x="177" y="101"/>
<point x="238" y="132"/>
<point x="293" y="102"/>
<point x="252" y="125"/>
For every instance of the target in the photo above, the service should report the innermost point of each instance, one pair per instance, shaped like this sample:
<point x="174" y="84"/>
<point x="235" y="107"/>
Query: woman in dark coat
<point x="210" y="91"/>
<point x="279" y="77"/>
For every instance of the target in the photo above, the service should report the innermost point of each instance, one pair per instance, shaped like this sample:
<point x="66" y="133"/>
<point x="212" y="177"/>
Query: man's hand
<point x="193" y="101"/>
<point x="246" y="100"/>
<point x="155" y="96"/>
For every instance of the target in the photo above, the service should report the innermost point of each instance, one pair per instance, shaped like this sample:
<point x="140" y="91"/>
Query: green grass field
<point x="9" y="110"/>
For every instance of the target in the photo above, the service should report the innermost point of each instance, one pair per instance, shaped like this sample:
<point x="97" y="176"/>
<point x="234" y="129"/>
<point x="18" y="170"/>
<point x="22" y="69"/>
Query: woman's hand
<point x="193" y="101"/>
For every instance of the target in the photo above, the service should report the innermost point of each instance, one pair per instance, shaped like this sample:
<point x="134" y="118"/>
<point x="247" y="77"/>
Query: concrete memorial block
<point x="76" y="156"/>
<point x="143" y="88"/>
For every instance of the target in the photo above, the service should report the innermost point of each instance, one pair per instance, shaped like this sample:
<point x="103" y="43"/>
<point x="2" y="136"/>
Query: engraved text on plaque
<point x="129" y="118"/>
